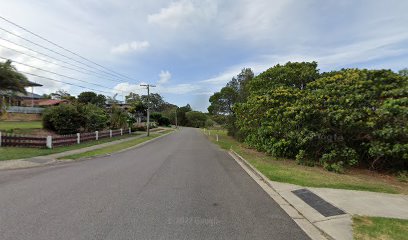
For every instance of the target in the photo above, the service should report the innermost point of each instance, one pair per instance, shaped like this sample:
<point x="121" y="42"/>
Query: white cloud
<point x="164" y="76"/>
<point x="125" y="88"/>
<point x="184" y="12"/>
<point x="135" y="46"/>
<point x="183" y="88"/>
<point x="173" y="15"/>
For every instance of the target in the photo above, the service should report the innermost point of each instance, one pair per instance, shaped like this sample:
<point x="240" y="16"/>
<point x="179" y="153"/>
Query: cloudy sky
<point x="191" y="48"/>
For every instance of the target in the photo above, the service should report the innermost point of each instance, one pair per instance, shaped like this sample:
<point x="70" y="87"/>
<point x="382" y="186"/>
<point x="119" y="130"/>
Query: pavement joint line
<point x="314" y="233"/>
<point x="329" y="219"/>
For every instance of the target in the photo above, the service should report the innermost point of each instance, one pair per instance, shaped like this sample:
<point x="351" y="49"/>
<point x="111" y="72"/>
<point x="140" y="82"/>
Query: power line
<point x="61" y="75"/>
<point x="54" y="58"/>
<point x="55" y="80"/>
<point x="51" y="62"/>
<point x="57" y="45"/>
<point x="60" y="54"/>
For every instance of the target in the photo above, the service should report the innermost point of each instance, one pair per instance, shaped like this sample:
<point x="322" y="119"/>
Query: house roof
<point x="32" y="84"/>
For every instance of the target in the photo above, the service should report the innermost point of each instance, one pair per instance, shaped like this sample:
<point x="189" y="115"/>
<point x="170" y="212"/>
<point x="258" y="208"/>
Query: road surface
<point x="180" y="186"/>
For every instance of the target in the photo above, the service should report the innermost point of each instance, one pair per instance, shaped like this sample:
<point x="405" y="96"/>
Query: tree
<point x="336" y="119"/>
<point x="11" y="79"/>
<point x="112" y="100"/>
<point x="119" y="118"/>
<point x="62" y="94"/>
<point x="181" y="115"/>
<point x="160" y="119"/>
<point x="196" y="119"/>
<point x="46" y="96"/>
<point x="132" y="98"/>
<point x="138" y="110"/>
<point x="292" y="74"/>
<point x="93" y="98"/>
<point x="222" y="103"/>
<point x="403" y="72"/>
<point x="157" y="102"/>
<point x="240" y="83"/>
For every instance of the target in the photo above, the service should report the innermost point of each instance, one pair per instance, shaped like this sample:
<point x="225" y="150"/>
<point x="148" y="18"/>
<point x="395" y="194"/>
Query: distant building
<point x="16" y="98"/>
<point x="43" y="102"/>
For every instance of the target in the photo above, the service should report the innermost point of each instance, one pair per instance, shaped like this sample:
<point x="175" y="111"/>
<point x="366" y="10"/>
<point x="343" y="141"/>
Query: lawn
<point x="116" y="147"/>
<point x="8" y="153"/>
<point x="379" y="228"/>
<point x="286" y="170"/>
<point x="8" y="125"/>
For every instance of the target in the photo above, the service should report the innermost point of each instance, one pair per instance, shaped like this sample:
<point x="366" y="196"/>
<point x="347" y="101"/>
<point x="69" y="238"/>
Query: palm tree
<point x="11" y="82"/>
<point x="11" y="79"/>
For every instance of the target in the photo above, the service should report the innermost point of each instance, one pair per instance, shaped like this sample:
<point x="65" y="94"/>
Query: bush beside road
<point x="284" y="170"/>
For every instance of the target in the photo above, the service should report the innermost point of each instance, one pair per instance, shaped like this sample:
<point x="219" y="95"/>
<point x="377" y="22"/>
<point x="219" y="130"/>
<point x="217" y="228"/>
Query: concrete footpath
<point x="351" y="202"/>
<point x="53" y="158"/>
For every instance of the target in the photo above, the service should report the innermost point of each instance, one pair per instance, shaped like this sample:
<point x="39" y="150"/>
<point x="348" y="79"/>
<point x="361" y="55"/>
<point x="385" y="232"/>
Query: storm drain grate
<point x="316" y="202"/>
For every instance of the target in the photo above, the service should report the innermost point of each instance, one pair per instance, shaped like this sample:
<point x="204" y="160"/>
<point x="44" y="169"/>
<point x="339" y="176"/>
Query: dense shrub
<point x="93" y="118"/>
<point x="196" y="119"/>
<point x="338" y="119"/>
<point x="63" y="119"/>
<point x="160" y="119"/>
<point x="118" y="118"/>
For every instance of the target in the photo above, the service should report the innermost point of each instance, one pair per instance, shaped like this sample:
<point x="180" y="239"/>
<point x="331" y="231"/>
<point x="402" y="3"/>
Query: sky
<point x="191" y="48"/>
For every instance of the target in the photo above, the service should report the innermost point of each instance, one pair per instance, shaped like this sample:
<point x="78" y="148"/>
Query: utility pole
<point x="148" y="86"/>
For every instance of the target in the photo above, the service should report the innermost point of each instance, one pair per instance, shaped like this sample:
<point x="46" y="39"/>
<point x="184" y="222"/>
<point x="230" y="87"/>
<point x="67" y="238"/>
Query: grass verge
<point x="285" y="170"/>
<point x="9" y="153"/>
<point x="379" y="228"/>
<point x="9" y="125"/>
<point x="115" y="148"/>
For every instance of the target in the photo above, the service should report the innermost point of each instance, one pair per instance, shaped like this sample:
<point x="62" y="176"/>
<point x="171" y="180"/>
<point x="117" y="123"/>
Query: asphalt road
<point x="178" y="187"/>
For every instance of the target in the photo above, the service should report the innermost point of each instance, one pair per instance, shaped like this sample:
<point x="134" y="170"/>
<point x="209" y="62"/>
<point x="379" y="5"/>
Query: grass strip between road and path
<point x="9" y="153"/>
<point x="116" y="147"/>
<point x="379" y="228"/>
<point x="287" y="171"/>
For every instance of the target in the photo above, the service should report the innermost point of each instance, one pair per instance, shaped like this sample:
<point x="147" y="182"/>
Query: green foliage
<point x="11" y="79"/>
<point x="403" y="72"/>
<point x="296" y="75"/>
<point x="93" y="118"/>
<point x="196" y="119"/>
<point x="181" y="115"/>
<point x="63" y="119"/>
<point x="118" y="118"/>
<point x="222" y="103"/>
<point x="209" y="123"/>
<point x="160" y="119"/>
<point x="132" y="98"/>
<point x="402" y="176"/>
<point x="93" y="98"/>
<point x="337" y="119"/>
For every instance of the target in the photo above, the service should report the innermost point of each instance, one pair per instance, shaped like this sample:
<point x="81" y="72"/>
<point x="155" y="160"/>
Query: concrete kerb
<point x="313" y="231"/>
